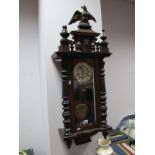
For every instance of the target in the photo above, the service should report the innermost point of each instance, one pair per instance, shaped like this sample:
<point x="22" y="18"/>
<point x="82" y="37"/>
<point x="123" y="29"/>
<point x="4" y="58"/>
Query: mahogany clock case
<point x="81" y="64"/>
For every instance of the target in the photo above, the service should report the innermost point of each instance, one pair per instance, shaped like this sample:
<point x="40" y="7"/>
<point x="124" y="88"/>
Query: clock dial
<point x="82" y="72"/>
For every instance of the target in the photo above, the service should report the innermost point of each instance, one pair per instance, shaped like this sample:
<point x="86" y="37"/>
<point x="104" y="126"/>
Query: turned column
<point x="65" y="103"/>
<point x="103" y="98"/>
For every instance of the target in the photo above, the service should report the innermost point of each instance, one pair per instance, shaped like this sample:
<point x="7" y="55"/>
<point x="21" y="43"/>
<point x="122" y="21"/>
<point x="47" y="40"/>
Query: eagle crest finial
<point x="83" y="17"/>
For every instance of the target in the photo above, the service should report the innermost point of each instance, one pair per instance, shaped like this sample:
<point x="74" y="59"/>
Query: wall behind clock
<point x="118" y="18"/>
<point x="33" y="122"/>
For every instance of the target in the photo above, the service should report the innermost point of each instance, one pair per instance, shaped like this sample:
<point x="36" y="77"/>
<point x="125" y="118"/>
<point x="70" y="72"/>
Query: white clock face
<point x="82" y="72"/>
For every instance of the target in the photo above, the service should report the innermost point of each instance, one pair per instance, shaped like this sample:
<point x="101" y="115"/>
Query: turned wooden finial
<point x="103" y="37"/>
<point x="64" y="34"/>
<point x="104" y="44"/>
<point x="64" y="42"/>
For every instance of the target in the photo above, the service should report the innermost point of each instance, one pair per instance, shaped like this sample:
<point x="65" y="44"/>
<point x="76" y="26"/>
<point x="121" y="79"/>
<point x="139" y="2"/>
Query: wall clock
<point x="81" y="63"/>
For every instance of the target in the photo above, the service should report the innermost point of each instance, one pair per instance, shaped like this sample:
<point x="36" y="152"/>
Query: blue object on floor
<point x="124" y="119"/>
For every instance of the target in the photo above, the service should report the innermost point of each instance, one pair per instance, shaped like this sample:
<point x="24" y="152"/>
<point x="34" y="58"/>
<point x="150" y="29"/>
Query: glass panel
<point x="83" y="84"/>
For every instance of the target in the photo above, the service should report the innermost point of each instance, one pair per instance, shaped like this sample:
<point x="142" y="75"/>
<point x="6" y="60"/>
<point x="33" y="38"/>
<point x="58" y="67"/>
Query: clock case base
<point x="84" y="137"/>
